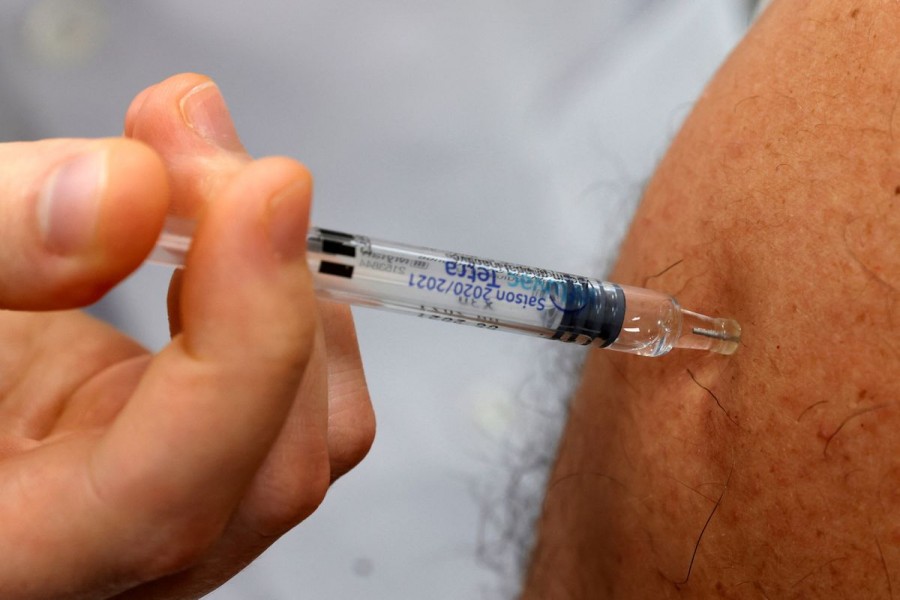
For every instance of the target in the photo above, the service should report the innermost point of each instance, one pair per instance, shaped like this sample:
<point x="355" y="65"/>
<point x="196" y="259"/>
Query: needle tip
<point x="706" y="333"/>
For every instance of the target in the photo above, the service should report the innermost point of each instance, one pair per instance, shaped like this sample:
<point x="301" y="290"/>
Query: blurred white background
<point x="520" y="130"/>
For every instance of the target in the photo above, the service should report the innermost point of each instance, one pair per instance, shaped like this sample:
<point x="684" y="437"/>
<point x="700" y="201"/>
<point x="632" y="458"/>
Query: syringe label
<point x="471" y="272"/>
<point x="488" y="294"/>
<point x="449" y="287"/>
<point x="539" y="289"/>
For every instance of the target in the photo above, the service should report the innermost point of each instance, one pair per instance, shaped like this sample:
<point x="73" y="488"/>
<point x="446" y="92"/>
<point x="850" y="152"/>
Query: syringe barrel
<point x="464" y="289"/>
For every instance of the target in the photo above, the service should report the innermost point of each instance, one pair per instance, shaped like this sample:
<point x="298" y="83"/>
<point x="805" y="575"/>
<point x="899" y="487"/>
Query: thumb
<point x="76" y="217"/>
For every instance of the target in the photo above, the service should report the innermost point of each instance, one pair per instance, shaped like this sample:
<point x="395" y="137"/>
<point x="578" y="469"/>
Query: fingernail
<point x="204" y="111"/>
<point x="69" y="203"/>
<point x="288" y="221"/>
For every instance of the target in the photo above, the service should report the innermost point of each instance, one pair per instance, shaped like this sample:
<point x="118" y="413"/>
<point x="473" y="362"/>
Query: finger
<point x="182" y="452"/>
<point x="277" y="499"/>
<point x="185" y="119"/>
<point x="76" y="217"/>
<point x="351" y="418"/>
<point x="134" y="108"/>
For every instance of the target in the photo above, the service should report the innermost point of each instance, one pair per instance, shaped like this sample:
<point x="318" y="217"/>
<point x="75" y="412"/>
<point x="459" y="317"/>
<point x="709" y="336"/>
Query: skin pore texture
<point x="773" y="473"/>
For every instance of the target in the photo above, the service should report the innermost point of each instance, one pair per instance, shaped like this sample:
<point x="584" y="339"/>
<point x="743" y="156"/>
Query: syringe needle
<point x="718" y="335"/>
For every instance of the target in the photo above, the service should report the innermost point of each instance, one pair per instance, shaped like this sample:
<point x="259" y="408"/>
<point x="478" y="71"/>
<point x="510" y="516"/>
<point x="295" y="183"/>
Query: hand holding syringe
<point x="491" y="294"/>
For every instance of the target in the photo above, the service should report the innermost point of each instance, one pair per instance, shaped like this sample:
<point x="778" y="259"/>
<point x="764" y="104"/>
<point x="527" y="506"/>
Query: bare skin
<point x="773" y="473"/>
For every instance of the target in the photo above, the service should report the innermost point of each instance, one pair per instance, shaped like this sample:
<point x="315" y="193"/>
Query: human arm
<point x="770" y="473"/>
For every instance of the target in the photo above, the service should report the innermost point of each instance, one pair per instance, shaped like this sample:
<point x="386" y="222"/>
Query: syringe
<point x="490" y="294"/>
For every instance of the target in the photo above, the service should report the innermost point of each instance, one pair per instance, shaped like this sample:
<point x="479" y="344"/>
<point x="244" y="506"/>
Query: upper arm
<point x="775" y="470"/>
